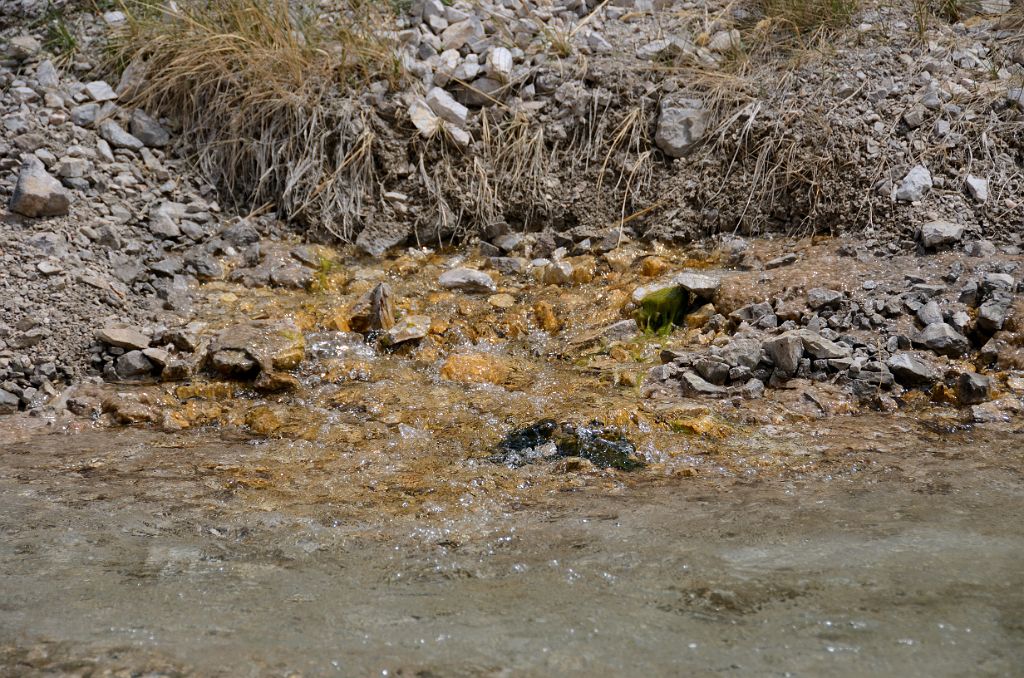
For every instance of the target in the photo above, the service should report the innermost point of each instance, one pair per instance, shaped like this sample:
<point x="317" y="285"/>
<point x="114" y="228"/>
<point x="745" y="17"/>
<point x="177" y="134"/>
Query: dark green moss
<point x="662" y="310"/>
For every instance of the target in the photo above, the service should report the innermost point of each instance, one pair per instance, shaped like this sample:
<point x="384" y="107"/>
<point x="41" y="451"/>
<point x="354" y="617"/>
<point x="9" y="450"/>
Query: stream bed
<point x="357" y="513"/>
<point x="141" y="550"/>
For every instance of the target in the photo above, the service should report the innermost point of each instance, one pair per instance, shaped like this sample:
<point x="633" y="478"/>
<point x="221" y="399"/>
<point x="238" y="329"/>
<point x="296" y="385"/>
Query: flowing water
<point x="357" y="526"/>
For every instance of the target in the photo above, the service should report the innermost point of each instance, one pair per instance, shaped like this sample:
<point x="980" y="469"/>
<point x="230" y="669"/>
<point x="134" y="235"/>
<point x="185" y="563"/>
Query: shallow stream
<point x="356" y="526"/>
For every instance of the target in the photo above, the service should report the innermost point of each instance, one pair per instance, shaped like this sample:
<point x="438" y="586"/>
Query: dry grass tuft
<point x="807" y="16"/>
<point x="261" y="89"/>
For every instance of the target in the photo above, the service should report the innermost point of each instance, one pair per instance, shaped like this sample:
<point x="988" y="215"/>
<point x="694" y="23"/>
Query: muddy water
<point x="355" y="526"/>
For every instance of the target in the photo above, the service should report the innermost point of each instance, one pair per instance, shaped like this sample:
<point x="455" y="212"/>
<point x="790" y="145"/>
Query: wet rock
<point x="409" y="328"/>
<point x="242" y="350"/>
<point x="937" y="234"/>
<point x="234" y="363"/>
<point x="681" y="124"/>
<point x="476" y="368"/>
<point x="700" y="286"/>
<point x="779" y="262"/>
<point x="294" y="276"/>
<point x="603" y="446"/>
<point x="713" y="371"/>
<point x="467" y="280"/>
<point x="123" y="337"/>
<point x="546" y="317"/>
<point x="508" y="265"/>
<point x="915" y="185"/>
<point x="910" y="369"/>
<point x="942" y="339"/>
<point x="973" y="388"/>
<point x="374" y="311"/>
<point x="37" y="194"/>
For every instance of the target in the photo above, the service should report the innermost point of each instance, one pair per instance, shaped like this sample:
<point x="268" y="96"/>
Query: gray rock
<point x="820" y="348"/>
<point x="785" y="350"/>
<point x="994" y="310"/>
<point x="693" y="385"/>
<point x="911" y="369"/>
<point x="681" y="124"/>
<point x="147" y="130"/>
<point x="973" y="388"/>
<point x="702" y="286"/>
<point x="37" y="194"/>
<point x="381" y="235"/>
<point x="123" y="337"/>
<point x="713" y="371"/>
<point x="100" y="91"/>
<point x="977" y="188"/>
<point x="467" y="280"/>
<point x="741" y="351"/>
<point x="779" y="262"/>
<point x="820" y="297"/>
<point x="294" y="277"/>
<point x="240" y="234"/>
<point x="446" y="107"/>
<point x="85" y="115"/>
<point x="409" y="328"/>
<point x="233" y="362"/>
<point x="8" y="402"/>
<point x="915" y="185"/>
<point x="942" y="339"/>
<point x="117" y="137"/>
<point x="936" y="234"/>
<point x="47" y="75"/>
<point x="929" y="313"/>
<point x="133" y="364"/>
<point x="508" y="265"/>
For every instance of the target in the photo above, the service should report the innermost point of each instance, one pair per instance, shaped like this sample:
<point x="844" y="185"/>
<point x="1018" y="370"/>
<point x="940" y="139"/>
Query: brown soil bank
<point x="666" y="120"/>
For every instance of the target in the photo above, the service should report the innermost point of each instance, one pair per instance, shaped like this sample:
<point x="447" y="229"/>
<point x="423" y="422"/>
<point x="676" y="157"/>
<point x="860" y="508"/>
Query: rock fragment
<point x="467" y="280"/>
<point x="37" y="194"/>
<point x="915" y="185"/>
<point x="681" y="124"/>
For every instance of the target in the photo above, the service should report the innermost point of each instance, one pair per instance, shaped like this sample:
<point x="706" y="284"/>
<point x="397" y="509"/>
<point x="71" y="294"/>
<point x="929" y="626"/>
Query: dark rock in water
<point x="603" y="446"/>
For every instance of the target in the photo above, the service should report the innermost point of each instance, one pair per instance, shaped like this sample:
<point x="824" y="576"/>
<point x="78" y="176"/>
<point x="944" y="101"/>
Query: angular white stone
<point x="446" y="107"/>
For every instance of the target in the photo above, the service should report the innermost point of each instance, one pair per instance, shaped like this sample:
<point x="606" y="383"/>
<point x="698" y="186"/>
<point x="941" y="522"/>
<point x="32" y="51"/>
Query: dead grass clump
<point x="806" y="16"/>
<point x="261" y="89"/>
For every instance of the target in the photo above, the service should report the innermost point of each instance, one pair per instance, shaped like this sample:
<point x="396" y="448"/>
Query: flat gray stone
<point x="915" y="185"/>
<point x="467" y="280"/>
<point x="123" y="337"/>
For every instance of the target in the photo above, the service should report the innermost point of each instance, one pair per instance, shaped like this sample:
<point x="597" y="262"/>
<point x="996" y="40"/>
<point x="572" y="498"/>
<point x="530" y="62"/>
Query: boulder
<point x="37" y="194"/>
<point x="375" y="310"/>
<point x="973" y="388"/>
